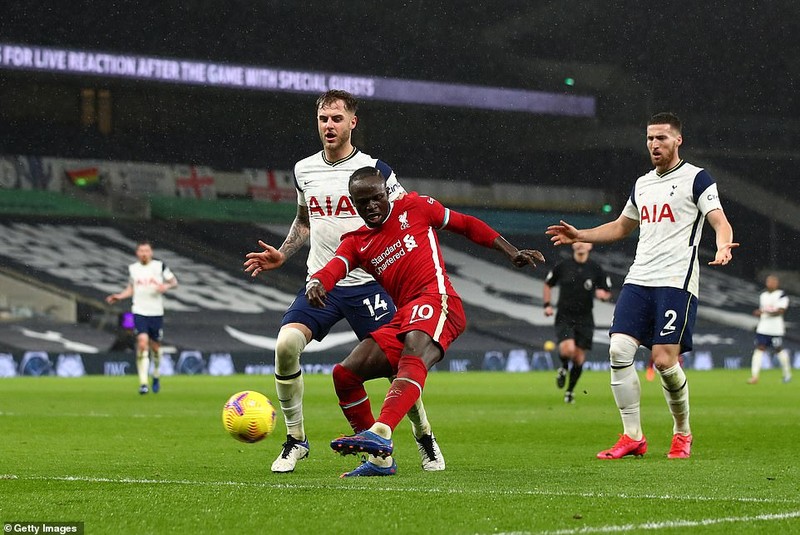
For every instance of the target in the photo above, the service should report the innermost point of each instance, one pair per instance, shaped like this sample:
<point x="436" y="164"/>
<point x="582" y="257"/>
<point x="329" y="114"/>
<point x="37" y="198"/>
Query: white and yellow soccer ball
<point x="248" y="416"/>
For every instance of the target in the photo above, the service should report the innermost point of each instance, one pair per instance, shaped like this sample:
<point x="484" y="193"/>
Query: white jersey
<point x="771" y="302"/>
<point x="322" y="188"/>
<point x="145" y="278"/>
<point x="671" y="209"/>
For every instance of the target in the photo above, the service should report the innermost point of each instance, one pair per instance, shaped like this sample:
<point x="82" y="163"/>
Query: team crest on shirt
<point x="403" y="218"/>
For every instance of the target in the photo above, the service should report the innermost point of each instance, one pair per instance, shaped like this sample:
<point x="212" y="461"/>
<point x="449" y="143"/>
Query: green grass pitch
<point x="518" y="460"/>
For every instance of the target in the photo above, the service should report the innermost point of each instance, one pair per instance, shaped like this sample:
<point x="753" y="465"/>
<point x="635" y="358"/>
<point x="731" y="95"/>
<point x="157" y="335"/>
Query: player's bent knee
<point x="622" y="350"/>
<point x="288" y="347"/>
<point x="344" y="378"/>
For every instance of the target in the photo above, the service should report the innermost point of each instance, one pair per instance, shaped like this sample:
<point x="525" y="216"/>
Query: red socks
<point x="404" y="390"/>
<point x="353" y="398"/>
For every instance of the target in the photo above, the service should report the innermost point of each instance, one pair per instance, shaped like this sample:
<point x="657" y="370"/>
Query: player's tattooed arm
<point x="271" y="258"/>
<point x="298" y="234"/>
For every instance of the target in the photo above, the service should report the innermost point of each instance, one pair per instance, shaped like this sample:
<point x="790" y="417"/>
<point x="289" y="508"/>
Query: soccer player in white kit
<point x="658" y="302"/>
<point x="324" y="213"/>
<point x="148" y="280"/>
<point x="772" y="304"/>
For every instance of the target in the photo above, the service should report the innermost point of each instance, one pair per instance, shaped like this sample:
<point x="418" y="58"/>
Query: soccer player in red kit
<point x="399" y="247"/>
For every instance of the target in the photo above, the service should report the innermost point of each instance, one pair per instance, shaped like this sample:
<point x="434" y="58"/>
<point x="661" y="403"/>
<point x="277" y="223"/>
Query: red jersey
<point x="403" y="254"/>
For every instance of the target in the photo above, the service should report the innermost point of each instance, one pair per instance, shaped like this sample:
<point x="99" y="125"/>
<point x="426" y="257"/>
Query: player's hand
<point x="527" y="257"/>
<point x="111" y="299"/>
<point x="316" y="294"/>
<point x="269" y="258"/>
<point x="723" y="255"/>
<point x="548" y="311"/>
<point x="602" y="295"/>
<point x="562" y="234"/>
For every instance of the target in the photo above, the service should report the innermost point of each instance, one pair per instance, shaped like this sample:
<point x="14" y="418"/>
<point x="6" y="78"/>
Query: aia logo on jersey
<point x="403" y="218"/>
<point x="328" y="206"/>
<point x="147" y="282"/>
<point x="656" y="214"/>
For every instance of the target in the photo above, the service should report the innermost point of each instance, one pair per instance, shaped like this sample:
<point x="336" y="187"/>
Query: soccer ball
<point x="248" y="416"/>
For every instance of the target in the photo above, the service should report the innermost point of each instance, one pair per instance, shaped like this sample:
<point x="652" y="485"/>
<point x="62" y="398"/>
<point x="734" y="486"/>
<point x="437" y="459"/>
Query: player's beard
<point x="341" y="139"/>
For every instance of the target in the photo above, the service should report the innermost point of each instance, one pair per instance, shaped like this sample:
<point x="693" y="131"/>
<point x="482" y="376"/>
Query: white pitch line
<point x="437" y="490"/>
<point x="668" y="524"/>
<point x="64" y="415"/>
<point x="89" y="415"/>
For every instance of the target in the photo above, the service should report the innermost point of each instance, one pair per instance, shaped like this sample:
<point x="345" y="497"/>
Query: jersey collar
<point x="671" y="170"/>
<point x="342" y="160"/>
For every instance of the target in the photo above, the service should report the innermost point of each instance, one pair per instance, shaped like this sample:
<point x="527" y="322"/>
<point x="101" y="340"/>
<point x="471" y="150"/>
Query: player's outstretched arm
<point x="482" y="234"/>
<point x="124" y="294"/>
<point x="724" y="237"/>
<point x="562" y="234"/>
<point x="168" y="285"/>
<point x="565" y="234"/>
<point x="299" y="233"/>
<point x="269" y="258"/>
<point x="520" y="258"/>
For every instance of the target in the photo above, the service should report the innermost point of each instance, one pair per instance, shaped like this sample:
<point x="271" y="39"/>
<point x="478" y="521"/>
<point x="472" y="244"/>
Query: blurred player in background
<point x="398" y="246"/>
<point x="772" y="304"/>
<point x="324" y="213"/>
<point x="580" y="280"/>
<point x="148" y="280"/>
<point x="658" y="302"/>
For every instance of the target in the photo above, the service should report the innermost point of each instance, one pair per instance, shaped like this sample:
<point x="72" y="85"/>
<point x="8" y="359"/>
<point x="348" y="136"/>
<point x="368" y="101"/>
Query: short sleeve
<point x="630" y="211"/>
<point x="552" y="277"/>
<point x="301" y="197"/>
<point x="438" y="216"/>
<point x="708" y="200"/>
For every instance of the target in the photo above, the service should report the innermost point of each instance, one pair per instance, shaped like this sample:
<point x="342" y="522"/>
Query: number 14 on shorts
<point x="377" y="306"/>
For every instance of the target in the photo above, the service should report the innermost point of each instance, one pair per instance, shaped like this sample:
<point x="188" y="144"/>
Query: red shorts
<point x="439" y="316"/>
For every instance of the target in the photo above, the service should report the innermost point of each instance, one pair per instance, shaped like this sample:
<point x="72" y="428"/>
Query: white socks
<point x="755" y="363"/>
<point x="289" y="379"/>
<point x="625" y="383"/>
<point x="419" y="419"/>
<point x="783" y="358"/>
<point x="786" y="366"/>
<point x="676" y="392"/>
<point x="143" y="366"/>
<point x="627" y="393"/>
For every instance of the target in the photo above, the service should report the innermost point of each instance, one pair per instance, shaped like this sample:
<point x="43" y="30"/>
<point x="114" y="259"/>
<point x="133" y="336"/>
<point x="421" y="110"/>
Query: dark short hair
<point x="143" y="242"/>
<point x="666" y="117"/>
<point x="366" y="172"/>
<point x="332" y="95"/>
